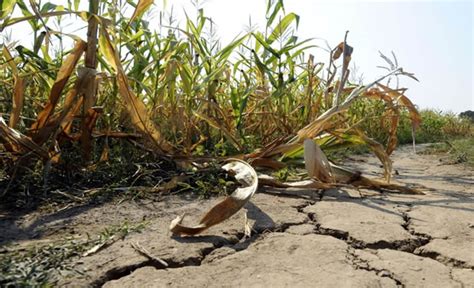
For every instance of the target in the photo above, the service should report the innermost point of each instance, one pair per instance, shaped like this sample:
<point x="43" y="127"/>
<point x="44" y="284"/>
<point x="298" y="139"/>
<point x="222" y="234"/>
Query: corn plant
<point x="178" y="92"/>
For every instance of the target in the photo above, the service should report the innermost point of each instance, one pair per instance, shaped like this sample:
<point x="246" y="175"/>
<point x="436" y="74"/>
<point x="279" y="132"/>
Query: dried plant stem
<point x="344" y="72"/>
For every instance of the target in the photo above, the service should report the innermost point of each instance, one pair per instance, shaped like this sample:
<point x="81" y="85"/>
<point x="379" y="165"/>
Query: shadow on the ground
<point x="262" y="222"/>
<point x="377" y="202"/>
<point x="14" y="229"/>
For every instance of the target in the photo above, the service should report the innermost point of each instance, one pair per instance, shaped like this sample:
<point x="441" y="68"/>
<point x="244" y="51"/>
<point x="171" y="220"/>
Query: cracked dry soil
<point x="335" y="238"/>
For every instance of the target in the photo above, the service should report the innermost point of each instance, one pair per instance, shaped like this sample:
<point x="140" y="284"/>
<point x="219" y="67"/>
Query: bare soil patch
<point x="333" y="238"/>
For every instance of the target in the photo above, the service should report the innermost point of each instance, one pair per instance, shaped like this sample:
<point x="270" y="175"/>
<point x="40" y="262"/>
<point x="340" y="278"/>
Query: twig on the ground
<point x="142" y="251"/>
<point x="98" y="247"/>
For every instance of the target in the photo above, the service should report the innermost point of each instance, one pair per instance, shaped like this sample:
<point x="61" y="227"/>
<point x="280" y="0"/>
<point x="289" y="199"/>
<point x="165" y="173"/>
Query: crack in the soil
<point x="425" y="239"/>
<point x="406" y="245"/>
<point x="239" y="244"/>
<point x="122" y="271"/>
<point x="119" y="272"/>
<point x="363" y="264"/>
<point x="450" y="262"/>
<point x="406" y="226"/>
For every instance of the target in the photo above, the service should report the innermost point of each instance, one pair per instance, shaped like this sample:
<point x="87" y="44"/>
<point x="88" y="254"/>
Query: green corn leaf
<point x="225" y="53"/>
<point x="259" y="37"/>
<point x="6" y="8"/>
<point x="276" y="8"/>
<point x="48" y="6"/>
<point x="282" y="26"/>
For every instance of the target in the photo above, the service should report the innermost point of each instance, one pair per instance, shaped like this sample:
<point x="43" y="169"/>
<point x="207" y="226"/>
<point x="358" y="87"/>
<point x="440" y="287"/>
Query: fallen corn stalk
<point x="355" y="178"/>
<point x="265" y="180"/>
<point x="245" y="175"/>
<point x="326" y="175"/>
<point x="319" y="168"/>
<point x="344" y="178"/>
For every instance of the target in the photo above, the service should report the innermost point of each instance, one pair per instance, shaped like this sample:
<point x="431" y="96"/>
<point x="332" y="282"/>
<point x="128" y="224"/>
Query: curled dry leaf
<point x="245" y="175"/>
<point x="317" y="163"/>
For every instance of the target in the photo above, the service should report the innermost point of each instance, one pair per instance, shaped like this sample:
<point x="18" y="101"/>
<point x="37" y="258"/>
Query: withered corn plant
<point x="177" y="92"/>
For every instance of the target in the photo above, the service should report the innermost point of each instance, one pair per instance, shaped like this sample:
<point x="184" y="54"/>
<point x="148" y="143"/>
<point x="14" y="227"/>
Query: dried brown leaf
<point x="403" y="100"/>
<point x="267" y="163"/>
<point x="245" y="175"/>
<point x="19" y="143"/>
<point x="18" y="97"/>
<point x="142" y="6"/>
<point x="63" y="76"/>
<point x="135" y="108"/>
<point x="337" y="52"/>
<point x="71" y="105"/>
<point x="316" y="163"/>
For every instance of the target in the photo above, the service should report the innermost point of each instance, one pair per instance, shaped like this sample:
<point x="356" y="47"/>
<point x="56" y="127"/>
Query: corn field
<point x="180" y="94"/>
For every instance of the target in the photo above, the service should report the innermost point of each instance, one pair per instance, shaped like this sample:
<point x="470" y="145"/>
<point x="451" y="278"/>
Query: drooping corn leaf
<point x="84" y="15"/>
<point x="325" y="120"/>
<point x="403" y="100"/>
<point x="223" y="129"/>
<point x="134" y="106"/>
<point x="359" y="138"/>
<point x="40" y="135"/>
<point x="266" y="180"/>
<point x="72" y="104"/>
<point x="18" y="89"/>
<point x="395" y="100"/>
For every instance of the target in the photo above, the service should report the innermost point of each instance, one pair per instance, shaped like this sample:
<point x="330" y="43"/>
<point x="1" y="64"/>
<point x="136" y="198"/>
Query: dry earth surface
<point x="336" y="238"/>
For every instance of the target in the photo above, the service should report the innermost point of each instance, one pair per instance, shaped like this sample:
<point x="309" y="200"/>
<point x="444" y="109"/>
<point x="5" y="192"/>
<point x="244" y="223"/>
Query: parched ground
<point x="336" y="238"/>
